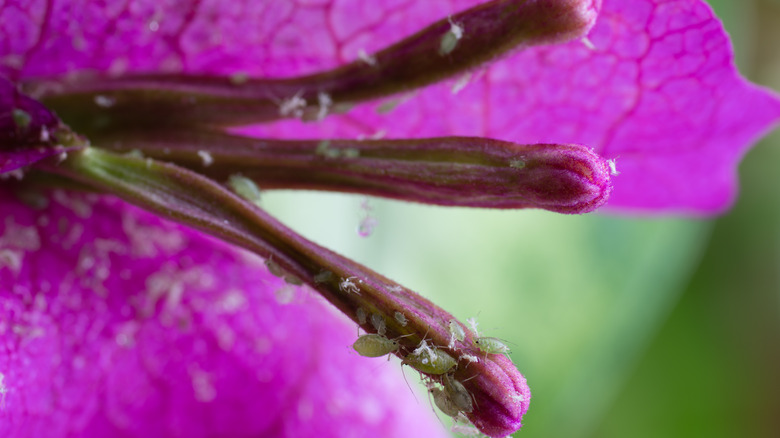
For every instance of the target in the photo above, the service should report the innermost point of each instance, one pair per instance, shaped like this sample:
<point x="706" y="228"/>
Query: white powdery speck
<point x="325" y="103"/>
<point x="588" y="43"/>
<point x="473" y="324"/>
<point x="293" y="106"/>
<point x="202" y="385"/>
<point x="104" y="101"/>
<point x="461" y="83"/>
<point x="613" y="167"/>
<point x="44" y="136"/>
<point x="470" y="358"/>
<point x="285" y="294"/>
<point x="3" y="391"/>
<point x="365" y="57"/>
<point x="208" y="160"/>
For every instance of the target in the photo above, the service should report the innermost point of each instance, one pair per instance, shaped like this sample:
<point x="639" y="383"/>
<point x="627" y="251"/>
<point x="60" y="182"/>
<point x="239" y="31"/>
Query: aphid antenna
<point x="409" y="386"/>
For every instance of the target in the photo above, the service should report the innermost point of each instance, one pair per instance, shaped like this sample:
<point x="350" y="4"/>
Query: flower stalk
<point x="452" y="171"/>
<point x="487" y="31"/>
<point x="370" y="299"/>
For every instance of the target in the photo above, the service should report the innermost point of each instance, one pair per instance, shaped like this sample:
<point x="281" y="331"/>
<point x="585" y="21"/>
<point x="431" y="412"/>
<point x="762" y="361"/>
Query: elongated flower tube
<point x="146" y="98"/>
<point x="473" y="172"/>
<point x="495" y="27"/>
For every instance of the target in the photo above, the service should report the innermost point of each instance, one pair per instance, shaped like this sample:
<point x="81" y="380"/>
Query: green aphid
<point x="245" y="188"/>
<point x="430" y="360"/>
<point x="444" y="402"/>
<point x="457" y="393"/>
<point x="22" y="119"/>
<point x="373" y="345"/>
<point x="491" y="345"/>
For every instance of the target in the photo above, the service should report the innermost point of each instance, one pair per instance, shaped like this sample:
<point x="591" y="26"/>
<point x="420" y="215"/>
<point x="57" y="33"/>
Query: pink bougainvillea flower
<point x="118" y="323"/>
<point x="115" y="323"/>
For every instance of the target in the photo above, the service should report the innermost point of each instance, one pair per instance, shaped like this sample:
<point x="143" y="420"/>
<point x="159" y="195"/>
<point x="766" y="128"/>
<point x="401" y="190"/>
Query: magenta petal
<point x="115" y="323"/>
<point x="266" y="38"/>
<point x="659" y="92"/>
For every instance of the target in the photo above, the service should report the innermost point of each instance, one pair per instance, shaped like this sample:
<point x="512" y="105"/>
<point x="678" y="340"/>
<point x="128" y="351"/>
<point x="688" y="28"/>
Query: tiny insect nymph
<point x="444" y="402"/>
<point x="457" y="393"/>
<point x="373" y="345"/>
<point x="430" y="360"/>
<point x="491" y="345"/>
<point x="379" y="323"/>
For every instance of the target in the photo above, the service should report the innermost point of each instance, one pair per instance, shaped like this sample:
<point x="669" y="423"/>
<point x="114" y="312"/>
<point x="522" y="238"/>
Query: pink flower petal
<point x="115" y="323"/>
<point x="659" y="92"/>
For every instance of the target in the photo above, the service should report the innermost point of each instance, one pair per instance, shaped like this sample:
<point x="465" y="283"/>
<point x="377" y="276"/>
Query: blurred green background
<point x="624" y="327"/>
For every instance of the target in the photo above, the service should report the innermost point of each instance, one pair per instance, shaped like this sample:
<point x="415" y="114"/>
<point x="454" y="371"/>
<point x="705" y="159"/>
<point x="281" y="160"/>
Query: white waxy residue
<point x="206" y="158"/>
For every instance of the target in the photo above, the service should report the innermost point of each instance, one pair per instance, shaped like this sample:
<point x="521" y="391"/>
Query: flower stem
<point x="459" y="171"/>
<point x="194" y="200"/>
<point x="486" y="31"/>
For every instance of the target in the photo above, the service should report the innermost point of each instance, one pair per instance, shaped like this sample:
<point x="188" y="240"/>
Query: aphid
<point x="379" y="323"/>
<point x="491" y="345"/>
<point x="274" y="269"/>
<point x="239" y="78"/>
<point x="293" y="280"/>
<point x="322" y="148"/>
<point x="400" y="318"/>
<point x="456" y="330"/>
<point x="350" y="152"/>
<point x="388" y="106"/>
<point x="430" y="360"/>
<point x="323" y="277"/>
<point x="450" y="39"/>
<point x="444" y="402"/>
<point x="346" y="285"/>
<point x="362" y="316"/>
<point x="245" y="188"/>
<point x="517" y="164"/>
<point x="457" y="393"/>
<point x="22" y="119"/>
<point x="373" y="345"/>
